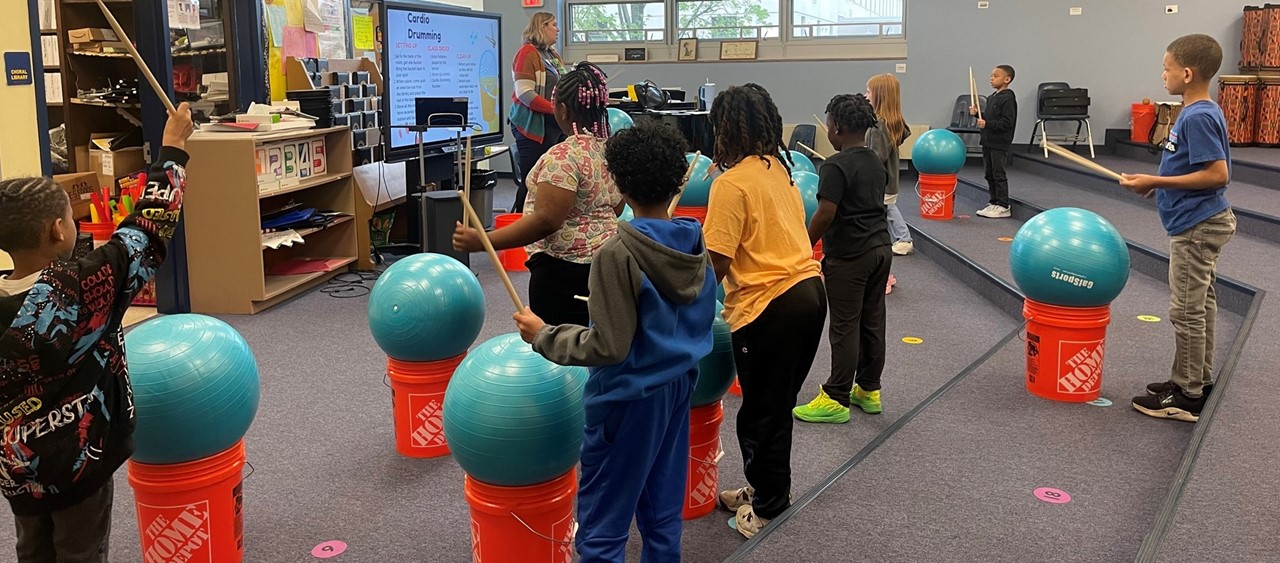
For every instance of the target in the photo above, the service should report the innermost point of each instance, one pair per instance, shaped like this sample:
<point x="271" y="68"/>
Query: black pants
<point x="552" y="284"/>
<point x="530" y="151"/>
<point x="855" y="294"/>
<point x="78" y="534"/>
<point x="993" y="161"/>
<point x="773" y="355"/>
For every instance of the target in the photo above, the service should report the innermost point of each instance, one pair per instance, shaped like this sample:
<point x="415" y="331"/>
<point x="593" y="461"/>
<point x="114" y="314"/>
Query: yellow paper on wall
<point x="362" y="33"/>
<point x="293" y="12"/>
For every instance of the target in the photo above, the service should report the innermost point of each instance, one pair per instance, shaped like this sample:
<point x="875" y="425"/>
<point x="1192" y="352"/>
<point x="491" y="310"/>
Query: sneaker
<point x="1172" y="404"/>
<point x="903" y="248"/>
<point x="1167" y="386"/>
<point x="734" y="499"/>
<point x="888" y="287"/>
<point x="747" y="522"/>
<point x="994" y="211"/>
<point x="822" y="409"/>
<point x="868" y="401"/>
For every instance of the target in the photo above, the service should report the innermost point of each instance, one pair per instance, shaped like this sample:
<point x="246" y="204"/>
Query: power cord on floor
<point x="356" y="283"/>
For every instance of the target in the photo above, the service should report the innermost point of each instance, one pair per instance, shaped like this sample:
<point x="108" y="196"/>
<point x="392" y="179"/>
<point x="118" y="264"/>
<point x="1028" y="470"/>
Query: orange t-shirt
<point x="756" y="218"/>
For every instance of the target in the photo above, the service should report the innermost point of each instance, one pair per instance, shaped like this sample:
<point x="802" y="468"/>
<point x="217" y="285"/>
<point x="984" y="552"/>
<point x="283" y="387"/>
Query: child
<point x="652" y="301"/>
<point x="774" y="300"/>
<point x="999" y="119"/>
<point x="889" y="133"/>
<point x="1190" y="193"/>
<point x="852" y="224"/>
<point x="65" y="403"/>
<point x="573" y="203"/>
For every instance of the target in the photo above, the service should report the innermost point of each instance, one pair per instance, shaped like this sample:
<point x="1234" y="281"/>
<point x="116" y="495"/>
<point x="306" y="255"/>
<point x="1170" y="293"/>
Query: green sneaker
<point x="868" y="401"/>
<point x="822" y="409"/>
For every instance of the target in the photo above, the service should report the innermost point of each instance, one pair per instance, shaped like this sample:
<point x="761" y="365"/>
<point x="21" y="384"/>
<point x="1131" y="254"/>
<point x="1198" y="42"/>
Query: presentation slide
<point x="441" y="55"/>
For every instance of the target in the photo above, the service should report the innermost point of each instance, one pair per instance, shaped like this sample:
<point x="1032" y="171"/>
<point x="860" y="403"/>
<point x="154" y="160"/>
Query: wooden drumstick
<point x="671" y="209"/>
<point x="137" y="58"/>
<point x="1082" y="161"/>
<point x="973" y="90"/>
<point x="811" y="151"/>
<point x="821" y="123"/>
<point x="493" y="254"/>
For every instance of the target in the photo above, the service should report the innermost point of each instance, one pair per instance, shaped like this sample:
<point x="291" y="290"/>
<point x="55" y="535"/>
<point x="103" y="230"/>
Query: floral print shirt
<point x="577" y="164"/>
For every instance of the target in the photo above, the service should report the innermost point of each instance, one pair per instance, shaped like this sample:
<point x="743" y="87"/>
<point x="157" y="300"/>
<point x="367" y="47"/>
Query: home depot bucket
<point x="699" y="213"/>
<point x="99" y="231"/>
<point x="817" y="251"/>
<point x="704" y="459"/>
<point x="512" y="258"/>
<point x="417" y="403"/>
<point x="937" y="196"/>
<point x="1064" y="350"/>
<point x="522" y="524"/>
<point x="1142" y="120"/>
<point x="191" y="511"/>
<point x="735" y="389"/>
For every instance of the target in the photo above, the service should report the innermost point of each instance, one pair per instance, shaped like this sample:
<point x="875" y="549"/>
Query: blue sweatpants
<point x="635" y="461"/>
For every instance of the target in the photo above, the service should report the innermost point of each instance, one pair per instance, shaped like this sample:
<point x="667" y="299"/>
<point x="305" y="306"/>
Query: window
<point x="816" y="19"/>
<point x="629" y="22"/>
<point x="728" y="19"/>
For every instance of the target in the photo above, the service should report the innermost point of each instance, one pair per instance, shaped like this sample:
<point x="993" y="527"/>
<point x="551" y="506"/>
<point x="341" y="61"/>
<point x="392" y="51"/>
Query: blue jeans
<point x="897" y="225"/>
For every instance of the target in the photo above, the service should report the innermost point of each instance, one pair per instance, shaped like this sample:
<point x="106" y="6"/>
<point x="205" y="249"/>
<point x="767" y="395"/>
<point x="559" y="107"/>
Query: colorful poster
<point x="362" y="33"/>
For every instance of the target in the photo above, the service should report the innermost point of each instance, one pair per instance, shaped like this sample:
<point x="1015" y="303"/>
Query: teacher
<point x="536" y="70"/>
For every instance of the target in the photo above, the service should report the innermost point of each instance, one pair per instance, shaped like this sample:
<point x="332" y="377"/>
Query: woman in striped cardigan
<point x="536" y="70"/>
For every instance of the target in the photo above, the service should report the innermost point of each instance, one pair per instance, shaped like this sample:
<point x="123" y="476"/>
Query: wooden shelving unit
<point x="223" y="209"/>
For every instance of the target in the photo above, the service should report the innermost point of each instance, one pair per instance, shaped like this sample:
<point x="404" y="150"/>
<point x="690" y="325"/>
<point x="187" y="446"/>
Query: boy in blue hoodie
<point x="652" y="303"/>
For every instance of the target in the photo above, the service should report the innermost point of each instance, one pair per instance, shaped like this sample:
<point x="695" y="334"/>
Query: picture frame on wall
<point x="738" y="50"/>
<point x="688" y="49"/>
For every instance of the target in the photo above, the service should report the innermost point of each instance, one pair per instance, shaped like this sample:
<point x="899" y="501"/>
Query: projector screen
<point x="440" y="52"/>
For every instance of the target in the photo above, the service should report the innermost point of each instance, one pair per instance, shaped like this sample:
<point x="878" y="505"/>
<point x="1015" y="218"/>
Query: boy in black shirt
<point x="854" y="228"/>
<point x="66" y="407"/>
<point x="999" y="120"/>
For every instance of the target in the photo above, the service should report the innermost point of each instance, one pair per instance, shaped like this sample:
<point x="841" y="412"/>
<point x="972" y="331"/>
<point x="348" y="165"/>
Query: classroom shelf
<point x="84" y="102"/>
<point x="306" y="184"/>
<point x="313" y="230"/>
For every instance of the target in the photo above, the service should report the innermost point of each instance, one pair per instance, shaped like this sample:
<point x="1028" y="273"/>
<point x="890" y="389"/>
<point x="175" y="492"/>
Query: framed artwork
<point x="738" y="50"/>
<point x="688" y="49"/>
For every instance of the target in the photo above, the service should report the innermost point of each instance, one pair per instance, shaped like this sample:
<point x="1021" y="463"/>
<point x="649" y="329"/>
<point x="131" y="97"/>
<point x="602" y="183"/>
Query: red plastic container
<point x="1142" y="120"/>
<point x="522" y="524"/>
<point x="702" y="485"/>
<point x="937" y="196"/>
<point x="191" y="511"/>
<point x="699" y="212"/>
<point x="512" y="259"/>
<point x="1064" y="348"/>
<point x="417" y="405"/>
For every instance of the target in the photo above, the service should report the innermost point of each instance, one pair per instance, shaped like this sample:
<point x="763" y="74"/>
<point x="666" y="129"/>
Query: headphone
<point x="651" y="96"/>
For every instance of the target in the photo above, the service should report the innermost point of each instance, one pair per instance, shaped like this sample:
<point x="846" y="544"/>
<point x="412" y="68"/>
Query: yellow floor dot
<point x="913" y="340"/>
<point x="1149" y="318"/>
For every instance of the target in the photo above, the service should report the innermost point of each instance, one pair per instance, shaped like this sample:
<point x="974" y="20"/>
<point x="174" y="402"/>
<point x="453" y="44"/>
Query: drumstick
<point x="973" y="89"/>
<point x="133" y="52"/>
<point x="493" y="254"/>
<point x="687" y="174"/>
<point x="815" y="153"/>
<point x="1082" y="161"/>
<point x="466" y="172"/>
<point x="820" y="122"/>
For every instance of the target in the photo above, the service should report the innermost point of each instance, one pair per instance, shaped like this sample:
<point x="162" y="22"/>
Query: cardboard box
<point x="78" y="185"/>
<point x="90" y="34"/>
<point x="110" y="165"/>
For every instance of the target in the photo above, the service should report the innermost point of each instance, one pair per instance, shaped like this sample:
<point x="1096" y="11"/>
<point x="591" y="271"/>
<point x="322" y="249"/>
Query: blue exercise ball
<point x="938" y="151"/>
<point x="195" y="388"/>
<point x="698" y="190"/>
<point x="627" y="214"/>
<point x="619" y="120"/>
<point x="807" y="183"/>
<point x="716" y="370"/>
<point x="1069" y="257"/>
<point x="801" y="162"/>
<point x="511" y="417"/>
<point x="426" y="307"/>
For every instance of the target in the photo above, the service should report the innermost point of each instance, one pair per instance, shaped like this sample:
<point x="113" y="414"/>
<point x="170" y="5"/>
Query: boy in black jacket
<point x="66" y="407"/>
<point x="1000" y="118"/>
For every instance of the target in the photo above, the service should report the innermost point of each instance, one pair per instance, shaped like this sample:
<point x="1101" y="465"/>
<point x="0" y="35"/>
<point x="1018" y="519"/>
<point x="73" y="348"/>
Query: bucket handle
<point x="715" y="461"/>
<point x="953" y="190"/>
<point x="252" y="470"/>
<point x="539" y="534"/>
<point x="386" y="379"/>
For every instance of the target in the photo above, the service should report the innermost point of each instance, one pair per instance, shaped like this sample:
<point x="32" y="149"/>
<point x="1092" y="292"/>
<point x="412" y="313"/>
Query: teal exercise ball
<point x="619" y="120"/>
<point x="716" y="370"/>
<point x="511" y="417"/>
<point x="195" y="388"/>
<point x="1069" y="257"/>
<point x="800" y="162"/>
<point x="627" y="214"/>
<point x="807" y="183"/>
<point x="698" y="190"/>
<point x="720" y="293"/>
<point x="426" y="307"/>
<point x="938" y="151"/>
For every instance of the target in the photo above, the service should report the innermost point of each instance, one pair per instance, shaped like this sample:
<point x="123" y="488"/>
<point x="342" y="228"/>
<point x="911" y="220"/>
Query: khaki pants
<point x="1193" y="306"/>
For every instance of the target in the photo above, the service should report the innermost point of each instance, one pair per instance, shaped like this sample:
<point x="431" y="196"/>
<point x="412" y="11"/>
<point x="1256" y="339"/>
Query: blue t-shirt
<point x="1199" y="137"/>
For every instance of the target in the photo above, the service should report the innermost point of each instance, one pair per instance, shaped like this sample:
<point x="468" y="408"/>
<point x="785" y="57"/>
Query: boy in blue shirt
<point x="652" y="303"/>
<point x="1190" y="196"/>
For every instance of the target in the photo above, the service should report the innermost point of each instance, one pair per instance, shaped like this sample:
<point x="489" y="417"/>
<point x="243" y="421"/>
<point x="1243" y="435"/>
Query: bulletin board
<point x="303" y="29"/>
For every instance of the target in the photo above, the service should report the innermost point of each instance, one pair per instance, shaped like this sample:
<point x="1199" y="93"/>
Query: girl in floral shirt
<point x="572" y="207"/>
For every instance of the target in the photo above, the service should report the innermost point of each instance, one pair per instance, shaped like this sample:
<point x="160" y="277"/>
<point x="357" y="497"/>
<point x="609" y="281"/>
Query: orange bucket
<point x="734" y="388"/>
<point x="520" y="524"/>
<point x="1142" y="120"/>
<point x="1064" y="350"/>
<point x="817" y="251"/>
<point x="191" y="511"/>
<point x="512" y="258"/>
<point x="417" y="404"/>
<point x="99" y="231"/>
<point x="937" y="196"/>
<point x="702" y="484"/>
<point x="699" y="213"/>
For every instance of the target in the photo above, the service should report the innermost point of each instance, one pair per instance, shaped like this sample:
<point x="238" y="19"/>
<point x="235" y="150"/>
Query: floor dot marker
<point x="332" y="548"/>
<point x="913" y="340"/>
<point x="733" y="522"/>
<point x="1100" y="402"/>
<point x="1149" y="318"/>
<point x="1052" y="495"/>
<point x="965" y="216"/>
<point x="1005" y="239"/>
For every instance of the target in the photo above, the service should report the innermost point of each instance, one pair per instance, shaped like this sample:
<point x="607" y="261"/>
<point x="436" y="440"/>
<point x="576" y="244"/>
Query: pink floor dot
<point x="329" y="549"/>
<point x="1052" y="495"/>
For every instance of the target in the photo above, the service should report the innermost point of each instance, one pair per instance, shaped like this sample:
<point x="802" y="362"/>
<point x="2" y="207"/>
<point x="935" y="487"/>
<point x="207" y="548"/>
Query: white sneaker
<point x="734" y="499"/>
<point x="903" y="248"/>
<point x="994" y="211"/>
<point x="747" y="522"/>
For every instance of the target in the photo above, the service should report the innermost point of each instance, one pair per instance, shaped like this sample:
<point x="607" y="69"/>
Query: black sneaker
<point x="1167" y="386"/>
<point x="1172" y="404"/>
